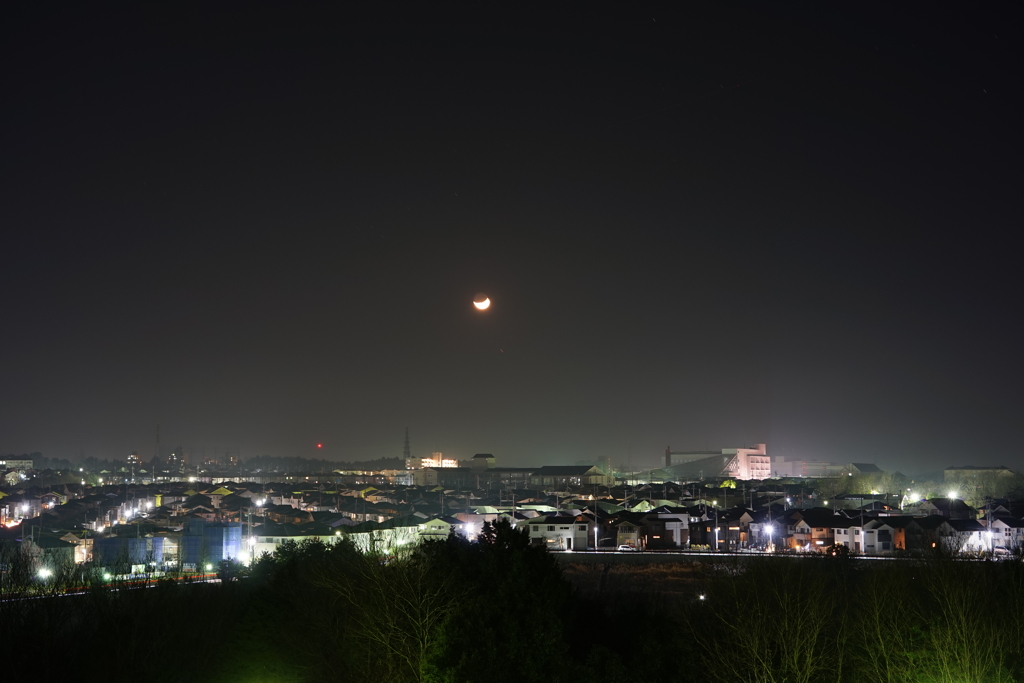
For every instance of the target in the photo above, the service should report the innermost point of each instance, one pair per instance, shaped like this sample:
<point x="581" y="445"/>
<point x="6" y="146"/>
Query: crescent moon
<point x="482" y="305"/>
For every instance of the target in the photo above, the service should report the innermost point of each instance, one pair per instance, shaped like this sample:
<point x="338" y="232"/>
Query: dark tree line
<point x="499" y="610"/>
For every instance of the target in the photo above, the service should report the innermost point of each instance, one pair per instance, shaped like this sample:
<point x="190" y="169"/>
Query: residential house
<point x="969" y="536"/>
<point x="1007" y="532"/>
<point x="952" y="535"/>
<point x="83" y="546"/>
<point x="873" y="535"/>
<point x="388" y="536"/>
<point x="950" y="508"/>
<point x="286" y="514"/>
<point x="813" y="529"/>
<point x="560" y="532"/>
<point x="667" y="527"/>
<point x="437" y="528"/>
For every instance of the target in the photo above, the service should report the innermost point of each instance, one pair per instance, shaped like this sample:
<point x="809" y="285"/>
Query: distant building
<point x="482" y="462"/>
<point x="425" y="476"/>
<point x="733" y="463"/>
<point x="436" y="459"/>
<point x="203" y="543"/>
<point x="569" y="475"/>
<point x="810" y="469"/>
<point x="604" y="464"/>
<point x="856" y="468"/>
<point x="951" y="508"/>
<point x="15" y="464"/>
<point x="110" y="551"/>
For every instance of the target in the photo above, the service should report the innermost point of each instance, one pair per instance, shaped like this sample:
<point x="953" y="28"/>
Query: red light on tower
<point x="319" y="445"/>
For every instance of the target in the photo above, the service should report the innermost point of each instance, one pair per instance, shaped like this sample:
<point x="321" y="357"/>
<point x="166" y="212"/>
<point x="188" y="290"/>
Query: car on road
<point x="626" y="548"/>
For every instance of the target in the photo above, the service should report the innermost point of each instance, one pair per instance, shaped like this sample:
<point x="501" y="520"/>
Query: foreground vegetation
<point x="499" y="610"/>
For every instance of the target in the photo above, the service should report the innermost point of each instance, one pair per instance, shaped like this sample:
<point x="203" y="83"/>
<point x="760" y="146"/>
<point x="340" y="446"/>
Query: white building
<point x="1007" y="532"/>
<point x="560" y="532"/>
<point x="749" y="463"/>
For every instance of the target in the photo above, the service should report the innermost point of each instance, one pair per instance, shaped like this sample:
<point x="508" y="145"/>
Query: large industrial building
<point x="733" y="463"/>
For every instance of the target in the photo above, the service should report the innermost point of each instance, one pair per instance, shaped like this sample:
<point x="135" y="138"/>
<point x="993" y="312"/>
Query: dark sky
<point x="263" y="227"/>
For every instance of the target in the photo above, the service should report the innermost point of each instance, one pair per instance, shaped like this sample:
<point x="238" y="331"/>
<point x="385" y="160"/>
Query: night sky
<point x="263" y="228"/>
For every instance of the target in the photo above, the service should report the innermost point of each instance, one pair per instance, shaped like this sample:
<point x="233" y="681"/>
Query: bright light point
<point x="209" y="567"/>
<point x="482" y="302"/>
<point x="952" y="494"/>
<point x="45" y="573"/>
<point x="107" y="577"/>
<point x="702" y="596"/>
<point x="319" y="445"/>
<point x="252" y="540"/>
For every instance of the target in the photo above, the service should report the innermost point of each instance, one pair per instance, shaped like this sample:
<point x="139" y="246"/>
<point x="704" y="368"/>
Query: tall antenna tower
<point x="156" y="455"/>
<point x="407" y="453"/>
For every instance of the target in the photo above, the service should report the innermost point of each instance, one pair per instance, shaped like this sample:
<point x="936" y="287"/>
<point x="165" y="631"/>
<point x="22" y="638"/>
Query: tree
<point x="886" y="605"/>
<point x="511" y="620"/>
<point x="830" y="487"/>
<point x="231" y="570"/>
<point x="967" y="644"/>
<point x="747" y="608"/>
<point x="397" y="606"/>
